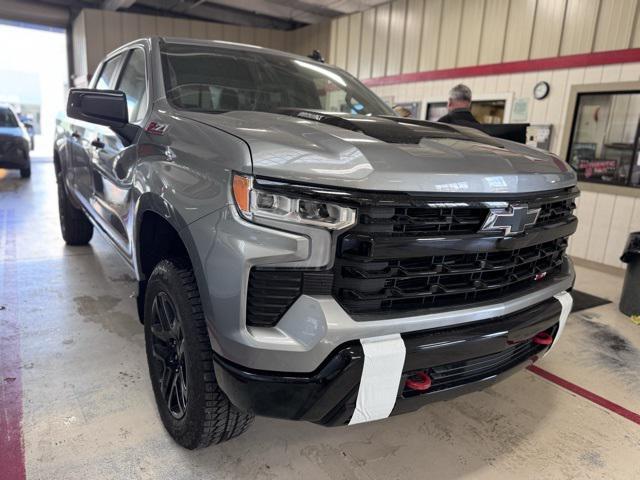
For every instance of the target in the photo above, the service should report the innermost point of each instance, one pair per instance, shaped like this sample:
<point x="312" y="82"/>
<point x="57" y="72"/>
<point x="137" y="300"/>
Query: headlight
<point x="255" y="203"/>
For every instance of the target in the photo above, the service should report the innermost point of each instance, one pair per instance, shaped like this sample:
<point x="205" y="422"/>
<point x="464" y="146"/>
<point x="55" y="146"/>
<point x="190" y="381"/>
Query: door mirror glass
<point x="103" y="107"/>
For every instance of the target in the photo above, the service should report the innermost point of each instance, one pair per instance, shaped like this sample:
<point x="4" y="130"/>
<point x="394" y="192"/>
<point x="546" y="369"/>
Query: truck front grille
<point x="442" y="280"/>
<point x="432" y="219"/>
<point x="411" y="253"/>
<point x="431" y="254"/>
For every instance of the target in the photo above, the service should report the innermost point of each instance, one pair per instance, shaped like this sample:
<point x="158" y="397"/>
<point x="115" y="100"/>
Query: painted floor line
<point x="12" y="461"/>
<point x="584" y="393"/>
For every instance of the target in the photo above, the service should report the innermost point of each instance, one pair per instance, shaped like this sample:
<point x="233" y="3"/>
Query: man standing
<point x="459" y="107"/>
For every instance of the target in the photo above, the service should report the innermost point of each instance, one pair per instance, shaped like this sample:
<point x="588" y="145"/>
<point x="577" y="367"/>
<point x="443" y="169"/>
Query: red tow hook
<point x="543" y="338"/>
<point x="421" y="385"/>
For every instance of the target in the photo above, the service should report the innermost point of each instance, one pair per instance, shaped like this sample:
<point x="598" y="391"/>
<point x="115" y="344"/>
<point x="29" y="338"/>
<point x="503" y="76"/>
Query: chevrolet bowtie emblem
<point x="512" y="220"/>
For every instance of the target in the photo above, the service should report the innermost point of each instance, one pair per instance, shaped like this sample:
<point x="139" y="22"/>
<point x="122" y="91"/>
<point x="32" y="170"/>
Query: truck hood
<point x="381" y="153"/>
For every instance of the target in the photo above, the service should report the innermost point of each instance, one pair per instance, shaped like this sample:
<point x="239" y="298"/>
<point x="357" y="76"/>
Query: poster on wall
<point x="520" y="110"/>
<point x="407" y="109"/>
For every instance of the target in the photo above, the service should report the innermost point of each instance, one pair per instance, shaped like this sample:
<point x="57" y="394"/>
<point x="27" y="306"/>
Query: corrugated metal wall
<point x="408" y="36"/>
<point x="97" y="32"/>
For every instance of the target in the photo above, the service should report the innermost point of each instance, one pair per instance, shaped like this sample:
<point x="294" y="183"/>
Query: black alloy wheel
<point x="192" y="406"/>
<point x="168" y="349"/>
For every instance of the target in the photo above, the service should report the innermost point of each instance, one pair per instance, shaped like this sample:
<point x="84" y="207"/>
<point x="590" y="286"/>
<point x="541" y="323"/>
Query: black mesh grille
<point x="272" y="291"/>
<point x="422" y="221"/>
<point x="444" y="280"/>
<point x="425" y="221"/>
<point x="555" y="212"/>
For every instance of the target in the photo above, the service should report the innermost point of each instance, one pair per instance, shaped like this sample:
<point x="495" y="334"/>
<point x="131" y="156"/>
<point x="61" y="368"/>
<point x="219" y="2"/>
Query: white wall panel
<point x="413" y="36"/>
<point x="430" y="42"/>
<point x="493" y="31"/>
<point x="580" y="240"/>
<point x="198" y="29"/>
<point x="449" y="33"/>
<point x="181" y="27"/>
<point x="343" y="42"/>
<point x="579" y="26"/>
<point x="615" y="24"/>
<point x="470" y="32"/>
<point x="381" y="41"/>
<point x="214" y="31"/>
<point x="130" y="27"/>
<point x="547" y="30"/>
<point x="600" y="227"/>
<point x="396" y="37"/>
<point x="147" y="26"/>
<point x="366" y="43"/>
<point x="355" y="34"/>
<point x="517" y="42"/>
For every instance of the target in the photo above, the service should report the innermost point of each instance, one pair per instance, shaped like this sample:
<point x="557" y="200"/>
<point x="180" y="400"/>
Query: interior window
<point x="604" y="144"/>
<point x="133" y="84"/>
<point x="485" y="111"/>
<point x="107" y="73"/>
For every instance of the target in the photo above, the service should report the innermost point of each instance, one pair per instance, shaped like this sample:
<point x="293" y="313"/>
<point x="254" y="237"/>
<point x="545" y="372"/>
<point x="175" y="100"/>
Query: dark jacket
<point x="460" y="116"/>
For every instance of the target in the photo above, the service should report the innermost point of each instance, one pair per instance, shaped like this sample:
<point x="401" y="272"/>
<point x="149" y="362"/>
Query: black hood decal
<point x="391" y="129"/>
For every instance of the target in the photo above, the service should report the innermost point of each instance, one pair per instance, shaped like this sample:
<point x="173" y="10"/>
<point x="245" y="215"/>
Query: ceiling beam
<point x="117" y="4"/>
<point x="197" y="9"/>
<point x="275" y="9"/>
<point x="34" y="12"/>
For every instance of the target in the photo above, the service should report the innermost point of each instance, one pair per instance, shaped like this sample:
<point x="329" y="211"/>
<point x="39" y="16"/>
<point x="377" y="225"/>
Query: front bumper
<point x="459" y="359"/>
<point x="313" y="327"/>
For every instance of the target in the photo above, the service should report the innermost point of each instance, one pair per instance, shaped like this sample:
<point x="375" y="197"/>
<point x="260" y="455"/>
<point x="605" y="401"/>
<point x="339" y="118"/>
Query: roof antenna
<point x="317" y="56"/>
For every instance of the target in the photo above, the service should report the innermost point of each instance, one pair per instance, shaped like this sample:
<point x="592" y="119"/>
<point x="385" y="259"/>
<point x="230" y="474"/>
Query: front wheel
<point x="193" y="408"/>
<point x="25" y="172"/>
<point x="75" y="226"/>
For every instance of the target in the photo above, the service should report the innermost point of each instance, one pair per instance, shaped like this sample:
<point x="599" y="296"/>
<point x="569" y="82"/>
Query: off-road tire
<point x="209" y="417"/>
<point x="75" y="227"/>
<point x="25" y="172"/>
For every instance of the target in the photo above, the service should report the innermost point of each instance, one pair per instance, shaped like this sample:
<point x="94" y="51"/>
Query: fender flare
<point x="152" y="202"/>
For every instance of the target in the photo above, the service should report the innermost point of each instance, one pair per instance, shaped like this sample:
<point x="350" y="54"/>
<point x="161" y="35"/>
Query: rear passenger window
<point x="107" y="73"/>
<point x="133" y="83"/>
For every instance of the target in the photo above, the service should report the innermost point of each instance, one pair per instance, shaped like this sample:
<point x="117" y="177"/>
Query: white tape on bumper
<point x="566" y="301"/>
<point x="381" y="373"/>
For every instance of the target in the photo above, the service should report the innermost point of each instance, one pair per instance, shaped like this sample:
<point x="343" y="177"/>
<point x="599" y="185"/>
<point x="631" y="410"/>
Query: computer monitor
<point x="516" y="132"/>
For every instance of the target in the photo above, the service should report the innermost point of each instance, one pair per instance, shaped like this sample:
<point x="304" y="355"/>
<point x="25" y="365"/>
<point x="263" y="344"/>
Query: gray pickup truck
<point x="301" y="252"/>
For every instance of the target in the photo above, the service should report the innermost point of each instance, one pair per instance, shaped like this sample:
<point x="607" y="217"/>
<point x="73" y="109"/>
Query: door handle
<point x="97" y="143"/>
<point x="76" y="135"/>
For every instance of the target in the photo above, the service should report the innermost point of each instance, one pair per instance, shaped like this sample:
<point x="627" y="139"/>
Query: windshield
<point x="218" y="79"/>
<point x="7" y="118"/>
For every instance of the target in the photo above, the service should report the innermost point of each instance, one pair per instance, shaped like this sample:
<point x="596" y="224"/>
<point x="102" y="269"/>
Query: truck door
<point x="82" y="136"/>
<point x="113" y="159"/>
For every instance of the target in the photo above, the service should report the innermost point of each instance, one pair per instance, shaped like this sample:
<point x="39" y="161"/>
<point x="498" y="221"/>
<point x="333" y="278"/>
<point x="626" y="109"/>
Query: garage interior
<point x="75" y="396"/>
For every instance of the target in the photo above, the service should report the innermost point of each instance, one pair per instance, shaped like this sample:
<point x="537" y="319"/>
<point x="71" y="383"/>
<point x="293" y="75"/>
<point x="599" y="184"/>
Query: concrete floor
<point x="89" y="410"/>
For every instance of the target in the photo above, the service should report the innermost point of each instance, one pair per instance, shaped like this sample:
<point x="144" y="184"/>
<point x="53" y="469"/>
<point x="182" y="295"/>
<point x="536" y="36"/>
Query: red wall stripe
<point x="554" y="63"/>
<point x="597" y="399"/>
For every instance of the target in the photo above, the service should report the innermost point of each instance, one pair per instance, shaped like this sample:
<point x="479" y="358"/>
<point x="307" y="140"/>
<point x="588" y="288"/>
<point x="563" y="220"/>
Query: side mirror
<point x="27" y="125"/>
<point x="103" y="107"/>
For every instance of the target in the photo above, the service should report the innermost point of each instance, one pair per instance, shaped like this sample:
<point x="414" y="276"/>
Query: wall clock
<point x="541" y="90"/>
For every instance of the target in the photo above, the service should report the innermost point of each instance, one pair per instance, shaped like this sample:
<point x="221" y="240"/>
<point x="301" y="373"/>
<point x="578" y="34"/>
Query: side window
<point x="107" y="73"/>
<point x="133" y="83"/>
